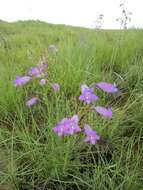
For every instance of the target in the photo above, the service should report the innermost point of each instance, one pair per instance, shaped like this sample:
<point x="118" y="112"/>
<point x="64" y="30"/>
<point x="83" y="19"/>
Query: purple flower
<point x="31" y="102"/>
<point x="62" y="127"/>
<point x="34" y="72"/>
<point x="74" y="127"/>
<point x="107" y="87"/>
<point x="106" y="112"/>
<point x="91" y="136"/>
<point x="42" y="82"/>
<point x="88" y="95"/>
<point x="19" y="81"/>
<point x="68" y="126"/>
<point x="56" y="87"/>
<point x="38" y="70"/>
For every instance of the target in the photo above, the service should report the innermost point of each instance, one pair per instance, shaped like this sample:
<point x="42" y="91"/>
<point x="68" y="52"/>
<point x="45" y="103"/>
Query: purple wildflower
<point x="38" y="70"/>
<point x="56" y="87"/>
<point x="106" y="112"/>
<point x="91" y="136"/>
<point x="34" y="72"/>
<point x="107" y="87"/>
<point x="62" y="127"/>
<point x="88" y="95"/>
<point x="31" y="102"/>
<point x="68" y="126"/>
<point x="42" y="82"/>
<point x="19" y="81"/>
<point x="74" y="127"/>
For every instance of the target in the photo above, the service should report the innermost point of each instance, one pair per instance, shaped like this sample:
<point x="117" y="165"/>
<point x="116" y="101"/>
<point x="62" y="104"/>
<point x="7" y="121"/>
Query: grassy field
<point x="32" y="156"/>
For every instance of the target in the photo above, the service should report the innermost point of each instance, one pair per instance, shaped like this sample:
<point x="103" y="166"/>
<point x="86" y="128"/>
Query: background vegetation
<point x="31" y="155"/>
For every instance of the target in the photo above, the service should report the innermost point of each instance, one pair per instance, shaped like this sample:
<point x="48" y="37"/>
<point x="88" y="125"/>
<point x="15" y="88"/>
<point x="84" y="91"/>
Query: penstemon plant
<point x="38" y="72"/>
<point x="125" y="17"/>
<point x="72" y="125"/>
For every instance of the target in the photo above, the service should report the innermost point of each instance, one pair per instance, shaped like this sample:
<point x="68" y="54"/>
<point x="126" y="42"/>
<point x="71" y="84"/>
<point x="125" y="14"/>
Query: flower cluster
<point x="70" y="126"/>
<point x="39" y="72"/>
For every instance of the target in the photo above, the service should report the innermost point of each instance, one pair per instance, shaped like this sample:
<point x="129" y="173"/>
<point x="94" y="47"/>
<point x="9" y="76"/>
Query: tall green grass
<point x="31" y="155"/>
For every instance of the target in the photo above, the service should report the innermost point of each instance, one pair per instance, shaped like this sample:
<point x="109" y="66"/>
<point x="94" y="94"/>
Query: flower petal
<point x="91" y="136"/>
<point x="75" y="119"/>
<point x="20" y="81"/>
<point x="84" y="87"/>
<point x="107" y="87"/>
<point x="31" y="102"/>
<point x="87" y="129"/>
<point x="56" y="87"/>
<point x="106" y="112"/>
<point x="42" y="82"/>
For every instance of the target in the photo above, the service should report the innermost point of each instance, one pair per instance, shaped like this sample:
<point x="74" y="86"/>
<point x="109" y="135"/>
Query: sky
<point x="71" y="12"/>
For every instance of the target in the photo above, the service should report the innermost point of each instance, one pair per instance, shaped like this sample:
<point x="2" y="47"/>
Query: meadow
<point x="32" y="156"/>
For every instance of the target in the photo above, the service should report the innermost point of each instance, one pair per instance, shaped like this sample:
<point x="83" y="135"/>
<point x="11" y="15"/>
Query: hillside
<point x="34" y="157"/>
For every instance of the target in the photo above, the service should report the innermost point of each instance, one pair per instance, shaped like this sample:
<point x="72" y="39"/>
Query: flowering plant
<point x="38" y="72"/>
<point x="71" y="125"/>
